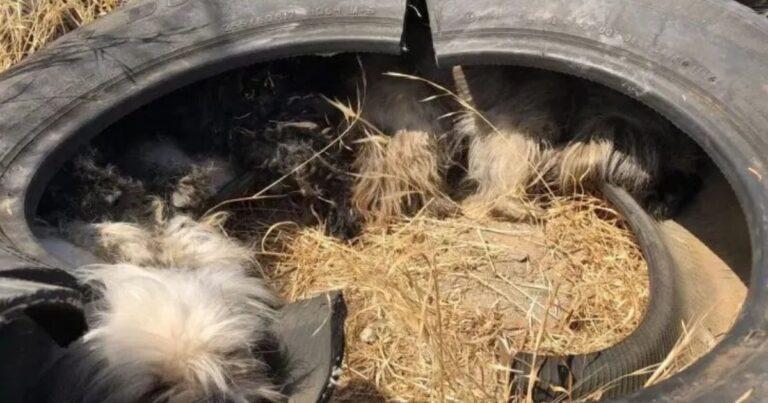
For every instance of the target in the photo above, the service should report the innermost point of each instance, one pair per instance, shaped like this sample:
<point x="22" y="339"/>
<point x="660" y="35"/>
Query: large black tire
<point x="701" y="63"/>
<point x="621" y="368"/>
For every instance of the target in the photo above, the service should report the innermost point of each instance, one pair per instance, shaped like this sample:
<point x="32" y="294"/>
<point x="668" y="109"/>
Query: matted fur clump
<point x="201" y="184"/>
<point x="504" y="167"/>
<point x="397" y="175"/>
<point x="167" y="243"/>
<point x="102" y="190"/>
<point x="177" y="335"/>
<point x="517" y="116"/>
<point x="403" y="152"/>
<point x="98" y="186"/>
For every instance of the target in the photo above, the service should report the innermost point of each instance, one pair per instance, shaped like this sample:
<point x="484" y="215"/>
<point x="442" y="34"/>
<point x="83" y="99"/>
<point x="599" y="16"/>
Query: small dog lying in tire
<point x="177" y="317"/>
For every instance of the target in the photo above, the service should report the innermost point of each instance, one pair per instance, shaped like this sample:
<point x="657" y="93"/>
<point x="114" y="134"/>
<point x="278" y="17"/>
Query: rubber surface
<point x="312" y="333"/>
<point x="40" y="312"/>
<point x="701" y="63"/>
<point x="757" y="5"/>
<point x="649" y="344"/>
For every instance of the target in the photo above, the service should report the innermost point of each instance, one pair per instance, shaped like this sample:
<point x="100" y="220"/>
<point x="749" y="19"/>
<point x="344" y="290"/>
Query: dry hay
<point x="28" y="25"/>
<point x="436" y="307"/>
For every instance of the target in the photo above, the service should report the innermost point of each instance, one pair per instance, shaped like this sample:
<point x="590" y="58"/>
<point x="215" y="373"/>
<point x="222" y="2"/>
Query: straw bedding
<point x="438" y="307"/>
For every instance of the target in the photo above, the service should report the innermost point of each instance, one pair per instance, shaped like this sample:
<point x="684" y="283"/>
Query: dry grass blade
<point x="26" y="26"/>
<point x="532" y="375"/>
<point x="464" y="103"/>
<point x="683" y="353"/>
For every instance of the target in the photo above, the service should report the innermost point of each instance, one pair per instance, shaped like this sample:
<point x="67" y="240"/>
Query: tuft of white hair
<point x="179" y="335"/>
<point x="114" y="241"/>
<point x="593" y="157"/>
<point x="192" y="244"/>
<point x="177" y="242"/>
<point x="400" y="169"/>
<point x="504" y="166"/>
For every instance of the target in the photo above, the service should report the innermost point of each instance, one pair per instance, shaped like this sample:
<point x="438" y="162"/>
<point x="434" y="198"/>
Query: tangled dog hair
<point x="618" y="140"/>
<point x="204" y="180"/>
<point x="177" y="317"/>
<point x="397" y="175"/>
<point x="404" y="151"/>
<point x="175" y="335"/>
<point x="96" y="190"/>
<point x="104" y="191"/>
<point x="191" y="179"/>
<point x="532" y="128"/>
<point x="165" y="243"/>
<point x="519" y="115"/>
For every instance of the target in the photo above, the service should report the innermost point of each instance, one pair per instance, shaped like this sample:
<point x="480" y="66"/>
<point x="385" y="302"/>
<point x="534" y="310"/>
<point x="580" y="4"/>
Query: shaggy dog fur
<point x="619" y="141"/>
<point x="201" y="184"/>
<point x="520" y="114"/>
<point x="175" y="335"/>
<point x="401" y="169"/>
<point x="177" y="318"/>
<point x="103" y="189"/>
<point x="96" y="190"/>
<point x="286" y="148"/>
<point x="195" y="179"/>
<point x="114" y="242"/>
<point x="397" y="175"/>
<point x="177" y="242"/>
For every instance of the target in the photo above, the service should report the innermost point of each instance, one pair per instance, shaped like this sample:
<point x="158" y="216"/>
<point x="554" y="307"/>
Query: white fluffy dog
<point x="177" y="316"/>
<point x="178" y="335"/>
